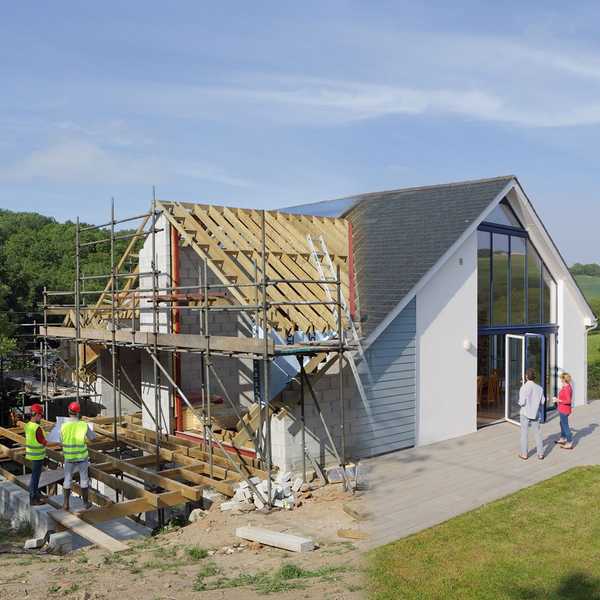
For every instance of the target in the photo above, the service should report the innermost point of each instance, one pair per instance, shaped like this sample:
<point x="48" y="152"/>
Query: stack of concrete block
<point x="283" y="493"/>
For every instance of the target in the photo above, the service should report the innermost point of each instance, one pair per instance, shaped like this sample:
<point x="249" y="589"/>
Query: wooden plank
<point x="85" y="530"/>
<point x="218" y="343"/>
<point x="286" y="541"/>
<point x="115" y="511"/>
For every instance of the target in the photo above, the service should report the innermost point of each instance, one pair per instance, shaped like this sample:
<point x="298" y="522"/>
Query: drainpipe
<point x="176" y="325"/>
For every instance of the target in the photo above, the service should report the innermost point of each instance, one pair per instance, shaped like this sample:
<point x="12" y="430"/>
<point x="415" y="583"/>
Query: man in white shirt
<point x="531" y="401"/>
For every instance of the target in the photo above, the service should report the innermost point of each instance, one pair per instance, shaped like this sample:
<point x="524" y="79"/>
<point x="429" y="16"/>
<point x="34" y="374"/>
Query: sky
<point x="270" y="104"/>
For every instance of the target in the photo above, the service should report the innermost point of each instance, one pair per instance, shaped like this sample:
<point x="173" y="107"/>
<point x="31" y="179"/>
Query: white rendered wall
<point x="446" y="371"/>
<point x="572" y="343"/>
<point x="163" y="265"/>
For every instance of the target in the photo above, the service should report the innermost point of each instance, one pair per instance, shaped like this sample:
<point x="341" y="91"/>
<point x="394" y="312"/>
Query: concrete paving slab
<point x="414" y="489"/>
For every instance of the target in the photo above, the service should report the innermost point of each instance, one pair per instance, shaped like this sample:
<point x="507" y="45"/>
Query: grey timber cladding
<point x="399" y="235"/>
<point x="390" y="422"/>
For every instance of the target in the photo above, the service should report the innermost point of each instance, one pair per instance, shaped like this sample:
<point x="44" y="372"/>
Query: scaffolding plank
<point x="183" y="341"/>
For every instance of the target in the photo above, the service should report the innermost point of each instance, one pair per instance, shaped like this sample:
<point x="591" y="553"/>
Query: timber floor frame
<point x="183" y="474"/>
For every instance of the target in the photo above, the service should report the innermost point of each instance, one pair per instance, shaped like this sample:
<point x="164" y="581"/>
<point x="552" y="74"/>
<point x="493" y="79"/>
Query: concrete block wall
<point x="129" y="360"/>
<point x="286" y="430"/>
<point x="235" y="374"/>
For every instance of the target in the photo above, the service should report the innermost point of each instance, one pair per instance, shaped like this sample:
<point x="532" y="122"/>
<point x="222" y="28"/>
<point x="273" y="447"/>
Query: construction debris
<point x="356" y="512"/>
<point x="282" y="494"/>
<point x="196" y="515"/>
<point x="352" y="534"/>
<point x="34" y="543"/>
<point x="285" y="541"/>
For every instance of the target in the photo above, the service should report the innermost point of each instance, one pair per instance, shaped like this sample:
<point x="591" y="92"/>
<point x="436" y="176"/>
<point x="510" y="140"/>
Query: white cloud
<point x="81" y="161"/>
<point x="486" y="78"/>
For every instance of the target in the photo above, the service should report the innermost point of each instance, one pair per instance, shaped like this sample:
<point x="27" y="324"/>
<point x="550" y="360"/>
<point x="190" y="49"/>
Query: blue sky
<point x="270" y="104"/>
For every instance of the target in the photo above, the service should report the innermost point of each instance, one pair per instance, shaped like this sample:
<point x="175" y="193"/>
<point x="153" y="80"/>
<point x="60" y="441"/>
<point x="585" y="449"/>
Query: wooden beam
<point x="181" y="341"/>
<point x="85" y="530"/>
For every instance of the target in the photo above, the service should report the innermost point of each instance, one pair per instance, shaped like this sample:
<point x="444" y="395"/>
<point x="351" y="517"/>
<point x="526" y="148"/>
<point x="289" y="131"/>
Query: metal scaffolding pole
<point x="302" y="417"/>
<point x="207" y="364"/>
<point x="113" y="325"/>
<point x="266" y="360"/>
<point x="155" y="318"/>
<point x="260" y="446"/>
<point x="341" y="373"/>
<point x="77" y="308"/>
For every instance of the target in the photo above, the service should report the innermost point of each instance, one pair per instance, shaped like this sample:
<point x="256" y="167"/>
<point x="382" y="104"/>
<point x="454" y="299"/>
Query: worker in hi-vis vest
<point x="74" y="434"/>
<point x="35" y="452"/>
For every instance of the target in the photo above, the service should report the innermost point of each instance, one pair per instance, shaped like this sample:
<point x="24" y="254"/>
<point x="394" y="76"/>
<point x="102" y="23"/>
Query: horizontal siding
<point x="390" y="423"/>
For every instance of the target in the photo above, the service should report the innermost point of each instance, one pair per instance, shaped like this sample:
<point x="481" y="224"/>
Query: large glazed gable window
<point x="515" y="288"/>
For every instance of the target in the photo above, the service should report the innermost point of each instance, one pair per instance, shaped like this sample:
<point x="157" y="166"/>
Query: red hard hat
<point x="37" y="409"/>
<point x="74" y="407"/>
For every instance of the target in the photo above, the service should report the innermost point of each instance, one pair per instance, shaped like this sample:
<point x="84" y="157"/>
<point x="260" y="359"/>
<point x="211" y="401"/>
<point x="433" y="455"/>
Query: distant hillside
<point x="588" y="279"/>
<point x="590" y="286"/>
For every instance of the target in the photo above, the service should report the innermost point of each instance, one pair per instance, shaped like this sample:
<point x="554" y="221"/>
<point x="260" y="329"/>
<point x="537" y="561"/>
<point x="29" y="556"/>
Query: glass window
<point x="503" y="215"/>
<point x="517" y="280"/>
<point x="534" y="281"/>
<point x="499" y="279"/>
<point x="483" y="277"/>
<point x="547" y="297"/>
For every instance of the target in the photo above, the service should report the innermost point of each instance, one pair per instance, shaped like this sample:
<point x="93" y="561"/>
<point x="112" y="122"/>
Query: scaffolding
<point x="266" y="295"/>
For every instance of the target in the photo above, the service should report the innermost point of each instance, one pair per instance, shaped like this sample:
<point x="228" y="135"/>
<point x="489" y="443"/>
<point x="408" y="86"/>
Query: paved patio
<point x="415" y="489"/>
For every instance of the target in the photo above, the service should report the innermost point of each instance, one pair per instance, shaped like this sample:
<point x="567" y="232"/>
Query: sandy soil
<point x="160" y="567"/>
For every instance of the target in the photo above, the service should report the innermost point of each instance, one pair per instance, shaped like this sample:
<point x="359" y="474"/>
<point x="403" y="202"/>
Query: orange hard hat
<point x="37" y="409"/>
<point x="74" y="407"/>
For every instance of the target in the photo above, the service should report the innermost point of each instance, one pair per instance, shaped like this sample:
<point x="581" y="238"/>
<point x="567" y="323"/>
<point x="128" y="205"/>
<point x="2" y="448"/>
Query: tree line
<point x="36" y="252"/>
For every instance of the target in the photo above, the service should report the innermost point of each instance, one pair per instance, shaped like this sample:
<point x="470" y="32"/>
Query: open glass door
<point x="535" y="358"/>
<point x="515" y="373"/>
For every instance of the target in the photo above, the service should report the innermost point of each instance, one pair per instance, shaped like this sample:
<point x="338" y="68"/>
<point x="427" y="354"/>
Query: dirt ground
<point x="206" y="560"/>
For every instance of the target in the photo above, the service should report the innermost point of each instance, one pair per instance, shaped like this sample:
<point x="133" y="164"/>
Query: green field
<point x="538" y="544"/>
<point x="590" y="286"/>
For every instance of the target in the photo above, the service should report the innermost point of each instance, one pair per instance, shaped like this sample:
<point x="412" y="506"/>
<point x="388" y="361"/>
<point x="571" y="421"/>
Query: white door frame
<point x="521" y="338"/>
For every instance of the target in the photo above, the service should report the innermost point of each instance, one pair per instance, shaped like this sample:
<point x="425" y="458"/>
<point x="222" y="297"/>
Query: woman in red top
<point x="564" y="400"/>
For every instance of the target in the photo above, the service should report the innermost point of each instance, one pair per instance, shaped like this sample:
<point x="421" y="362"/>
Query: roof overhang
<point x="539" y="236"/>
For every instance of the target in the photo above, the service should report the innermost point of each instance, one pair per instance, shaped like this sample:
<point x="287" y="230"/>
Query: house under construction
<point x="227" y="343"/>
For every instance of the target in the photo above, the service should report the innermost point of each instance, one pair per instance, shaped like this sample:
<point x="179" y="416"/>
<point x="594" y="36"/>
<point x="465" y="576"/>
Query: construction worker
<point x="35" y="452"/>
<point x="74" y="434"/>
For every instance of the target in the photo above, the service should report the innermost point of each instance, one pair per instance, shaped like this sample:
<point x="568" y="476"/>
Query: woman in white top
<point x="531" y="401"/>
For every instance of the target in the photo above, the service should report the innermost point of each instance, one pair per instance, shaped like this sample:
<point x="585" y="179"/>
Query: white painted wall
<point x="446" y="372"/>
<point x="163" y="265"/>
<point x="572" y="342"/>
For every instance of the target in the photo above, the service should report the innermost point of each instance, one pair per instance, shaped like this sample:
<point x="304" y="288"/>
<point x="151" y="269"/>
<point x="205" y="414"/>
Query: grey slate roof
<point x="399" y="235"/>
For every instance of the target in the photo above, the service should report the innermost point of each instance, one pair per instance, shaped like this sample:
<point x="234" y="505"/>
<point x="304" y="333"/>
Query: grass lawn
<point x="542" y="543"/>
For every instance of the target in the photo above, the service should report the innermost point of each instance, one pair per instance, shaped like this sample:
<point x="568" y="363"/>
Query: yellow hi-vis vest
<point x="33" y="449"/>
<point x="73" y="434"/>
